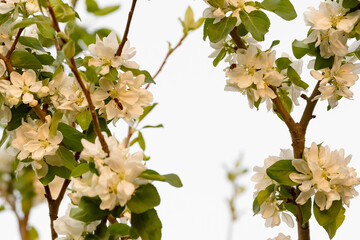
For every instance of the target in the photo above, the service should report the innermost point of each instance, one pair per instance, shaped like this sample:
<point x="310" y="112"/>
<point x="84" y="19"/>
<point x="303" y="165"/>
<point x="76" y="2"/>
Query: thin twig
<point x="40" y="113"/>
<point x="87" y="94"/>
<point x="12" y="48"/>
<point x="125" y="37"/>
<point x="171" y="50"/>
<point x="310" y="106"/>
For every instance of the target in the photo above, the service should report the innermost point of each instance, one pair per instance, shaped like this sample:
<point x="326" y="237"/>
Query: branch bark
<point x="127" y="29"/>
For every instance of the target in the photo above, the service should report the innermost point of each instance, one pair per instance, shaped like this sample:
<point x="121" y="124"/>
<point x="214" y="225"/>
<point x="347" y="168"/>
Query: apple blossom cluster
<point x="326" y="175"/>
<point x="117" y="174"/>
<point x="254" y="74"/>
<point x="272" y="207"/>
<point x="331" y="27"/>
<point x="55" y="108"/>
<point x="218" y="11"/>
<point x="321" y="172"/>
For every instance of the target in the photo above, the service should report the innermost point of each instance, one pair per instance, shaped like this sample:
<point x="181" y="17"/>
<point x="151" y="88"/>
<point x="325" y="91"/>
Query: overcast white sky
<point x="207" y="128"/>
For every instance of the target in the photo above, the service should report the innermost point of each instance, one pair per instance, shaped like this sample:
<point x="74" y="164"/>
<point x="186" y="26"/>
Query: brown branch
<point x="310" y="106"/>
<point x="7" y="62"/>
<point x="12" y="48"/>
<point x="52" y="14"/>
<point x="40" y="113"/>
<point x="130" y="133"/>
<point x="237" y="39"/>
<point x="87" y="94"/>
<point x="280" y="108"/>
<point x="125" y="37"/>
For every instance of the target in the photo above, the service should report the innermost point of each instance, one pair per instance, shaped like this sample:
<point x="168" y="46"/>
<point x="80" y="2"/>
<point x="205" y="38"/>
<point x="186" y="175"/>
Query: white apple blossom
<point x="118" y="173"/>
<point x="22" y="88"/>
<point x="126" y="97"/>
<point x="72" y="228"/>
<point x="66" y="94"/>
<point x="270" y="209"/>
<point x="335" y="82"/>
<point x="6" y="6"/>
<point x="281" y="236"/>
<point x="330" y="26"/>
<point x="255" y="71"/>
<point x="33" y="140"/>
<point x="105" y="50"/>
<point x="325" y="173"/>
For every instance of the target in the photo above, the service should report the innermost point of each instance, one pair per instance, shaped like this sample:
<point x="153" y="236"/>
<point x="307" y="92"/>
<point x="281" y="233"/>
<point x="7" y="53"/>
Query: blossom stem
<point x="86" y="92"/>
<point x="12" y="48"/>
<point x="237" y="39"/>
<point x="40" y="113"/>
<point x="127" y="29"/>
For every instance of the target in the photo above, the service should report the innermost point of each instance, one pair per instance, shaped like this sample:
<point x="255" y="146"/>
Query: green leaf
<point x="151" y="126"/>
<point x="136" y="72"/>
<point x="45" y="59"/>
<point x="25" y="23"/>
<point x="241" y="31"/>
<point x="219" y="57"/>
<point x="332" y="227"/>
<point x="80" y="170"/>
<point x="280" y="172"/>
<point x="17" y="114"/>
<point x="55" y="122"/>
<point x="120" y="229"/>
<point x="321" y="62"/>
<point x="141" y="141"/>
<point x="66" y="157"/>
<point x="283" y="63"/>
<point x="91" y="74"/>
<point x="291" y="208"/>
<point x="63" y="12"/>
<point x="46" y="30"/>
<point x="256" y="206"/>
<point x="69" y="49"/>
<point x="220" y="30"/>
<point x="20" y="59"/>
<point x="350" y="3"/>
<point x="90" y="133"/>
<point x="283" y="8"/>
<point x="84" y="119"/>
<point x="72" y="137"/>
<point x="256" y="22"/>
<point x="261" y="198"/>
<point x="147" y="224"/>
<point x="286" y="100"/>
<point x="147" y="110"/>
<point x="145" y="198"/>
<point x="306" y="212"/>
<point x="62" y="172"/>
<point x="106" y="10"/>
<point x="31" y="42"/>
<point x="326" y="217"/>
<point x="295" y="78"/>
<point x="273" y="44"/>
<point x="49" y="177"/>
<point x="300" y="49"/>
<point x="216" y="3"/>
<point x="207" y="23"/>
<point x="33" y="234"/>
<point x="264" y="194"/>
<point x="88" y="210"/>
<point x="172" y="179"/>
